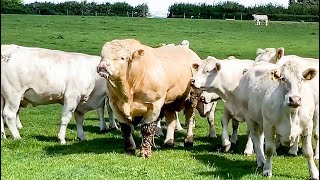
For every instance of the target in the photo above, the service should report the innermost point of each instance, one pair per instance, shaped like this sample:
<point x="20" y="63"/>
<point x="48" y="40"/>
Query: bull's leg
<point x="148" y="127"/>
<point x="316" y="131"/>
<point x="268" y="132"/>
<point x="225" y="136"/>
<point x="257" y="137"/>
<point x="235" y="126"/>
<point x="69" y="106"/>
<point x="158" y="128"/>
<point x="249" y="146"/>
<point x="178" y="124"/>
<point x="210" y="118"/>
<point x="171" y="124"/>
<point x="112" y="122"/>
<point x="10" y="110"/>
<point x="129" y="144"/>
<point x="102" y="122"/>
<point x="190" y="121"/>
<point x="308" y="153"/>
<point x="294" y="148"/>
<point x="79" y="117"/>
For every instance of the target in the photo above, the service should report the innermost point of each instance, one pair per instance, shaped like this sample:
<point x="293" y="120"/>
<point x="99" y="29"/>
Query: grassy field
<point x="39" y="156"/>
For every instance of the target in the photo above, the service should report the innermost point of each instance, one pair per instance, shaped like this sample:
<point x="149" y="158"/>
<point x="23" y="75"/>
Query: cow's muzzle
<point x="294" y="101"/>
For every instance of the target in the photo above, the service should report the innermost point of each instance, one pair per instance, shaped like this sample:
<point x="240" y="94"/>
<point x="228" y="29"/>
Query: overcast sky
<point x="162" y="5"/>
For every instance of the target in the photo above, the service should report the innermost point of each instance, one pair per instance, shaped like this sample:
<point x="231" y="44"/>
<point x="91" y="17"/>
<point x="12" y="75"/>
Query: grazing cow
<point x="226" y="81"/>
<point x="40" y="76"/>
<point x="276" y="56"/>
<point x="273" y="100"/>
<point x="142" y="81"/>
<point x="259" y="18"/>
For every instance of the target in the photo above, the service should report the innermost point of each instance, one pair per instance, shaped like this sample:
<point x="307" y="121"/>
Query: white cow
<point x="272" y="99"/>
<point x="41" y="76"/>
<point x="276" y="56"/>
<point x="259" y="18"/>
<point x="227" y="79"/>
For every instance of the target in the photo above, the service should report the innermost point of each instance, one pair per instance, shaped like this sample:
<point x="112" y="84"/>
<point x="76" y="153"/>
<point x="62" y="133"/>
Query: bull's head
<point x="115" y="57"/>
<point x="270" y="55"/>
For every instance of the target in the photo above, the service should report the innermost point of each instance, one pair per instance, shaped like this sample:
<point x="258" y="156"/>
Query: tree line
<point x="298" y="10"/>
<point x="73" y="8"/>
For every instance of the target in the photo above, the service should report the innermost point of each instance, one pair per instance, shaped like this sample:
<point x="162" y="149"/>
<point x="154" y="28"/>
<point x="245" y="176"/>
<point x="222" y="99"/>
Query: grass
<point x="39" y="155"/>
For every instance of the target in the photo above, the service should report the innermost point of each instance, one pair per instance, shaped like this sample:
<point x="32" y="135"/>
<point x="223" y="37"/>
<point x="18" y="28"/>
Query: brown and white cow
<point x="141" y="81"/>
<point x="40" y="76"/>
<point x="276" y="56"/>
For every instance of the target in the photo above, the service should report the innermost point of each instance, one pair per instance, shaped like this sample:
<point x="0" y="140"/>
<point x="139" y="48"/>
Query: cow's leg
<point x="102" y="122"/>
<point x="10" y="109"/>
<point x="79" y="117"/>
<point x="171" y="124"/>
<point x="18" y="122"/>
<point x="190" y="121"/>
<point x="257" y="137"/>
<point x="235" y="126"/>
<point x="316" y="131"/>
<point x="269" y="144"/>
<point x="210" y="118"/>
<point x="178" y="124"/>
<point x="69" y="106"/>
<point x="249" y="146"/>
<point x="308" y="153"/>
<point x="112" y="122"/>
<point x="294" y="148"/>
<point x="129" y="144"/>
<point x="158" y="128"/>
<point x="148" y="127"/>
<point x="225" y="136"/>
<point x="3" y="133"/>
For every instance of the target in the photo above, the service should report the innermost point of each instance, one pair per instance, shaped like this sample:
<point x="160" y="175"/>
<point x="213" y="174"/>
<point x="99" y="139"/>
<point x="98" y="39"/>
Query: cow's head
<point x="207" y="75"/>
<point x="115" y="57"/>
<point x="291" y="78"/>
<point x="270" y="55"/>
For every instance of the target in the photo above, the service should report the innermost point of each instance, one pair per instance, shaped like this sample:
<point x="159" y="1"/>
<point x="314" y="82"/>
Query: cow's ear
<point x="259" y="51"/>
<point x="195" y="66"/>
<point x="218" y="66"/>
<point x="309" y="73"/>
<point x="280" y="53"/>
<point x="275" y="74"/>
<point x="137" y="54"/>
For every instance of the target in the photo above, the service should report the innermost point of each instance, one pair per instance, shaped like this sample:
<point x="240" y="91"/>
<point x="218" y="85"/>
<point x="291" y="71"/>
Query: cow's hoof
<point x="145" y="153"/>
<point x="316" y="157"/>
<point x="188" y="142"/>
<point x="227" y="147"/>
<point x="267" y="173"/>
<point x="103" y="131"/>
<point x="168" y="144"/>
<point x="112" y="128"/>
<point x="81" y="139"/>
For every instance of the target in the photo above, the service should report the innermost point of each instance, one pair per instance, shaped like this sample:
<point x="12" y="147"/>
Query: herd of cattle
<point x="276" y="95"/>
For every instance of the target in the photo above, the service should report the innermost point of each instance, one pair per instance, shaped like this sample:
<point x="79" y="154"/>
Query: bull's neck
<point x="121" y="88"/>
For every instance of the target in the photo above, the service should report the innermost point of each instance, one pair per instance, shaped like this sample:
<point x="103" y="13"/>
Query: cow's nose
<point x="294" y="101"/>
<point x="101" y="68"/>
<point x="202" y="99"/>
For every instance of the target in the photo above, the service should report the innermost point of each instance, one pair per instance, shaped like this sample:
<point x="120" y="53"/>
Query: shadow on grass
<point x="226" y="168"/>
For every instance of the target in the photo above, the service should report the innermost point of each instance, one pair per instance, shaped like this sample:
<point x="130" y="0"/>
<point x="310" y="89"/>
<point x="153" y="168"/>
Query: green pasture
<point x="38" y="155"/>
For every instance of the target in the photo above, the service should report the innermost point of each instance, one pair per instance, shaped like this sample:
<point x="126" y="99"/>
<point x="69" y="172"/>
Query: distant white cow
<point x="259" y="18"/>
<point x="41" y="76"/>
<point x="276" y="56"/>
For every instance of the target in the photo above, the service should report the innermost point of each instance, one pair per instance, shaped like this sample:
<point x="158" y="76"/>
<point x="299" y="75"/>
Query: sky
<point x="161" y="6"/>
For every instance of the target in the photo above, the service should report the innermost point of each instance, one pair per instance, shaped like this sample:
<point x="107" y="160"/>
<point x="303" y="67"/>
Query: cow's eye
<point x="122" y="58"/>
<point x="301" y="79"/>
<point x="282" y="79"/>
